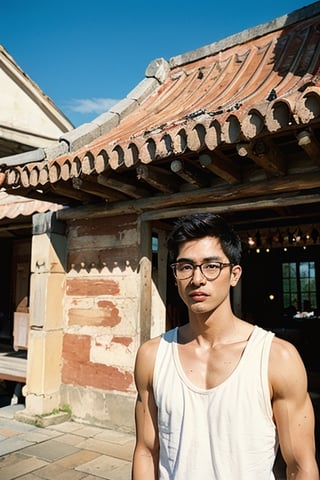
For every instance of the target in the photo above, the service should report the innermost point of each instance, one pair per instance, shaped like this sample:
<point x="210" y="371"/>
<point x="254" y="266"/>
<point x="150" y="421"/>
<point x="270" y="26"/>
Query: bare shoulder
<point x="286" y="368"/>
<point x="149" y="348"/>
<point x="283" y="351"/>
<point x="145" y="360"/>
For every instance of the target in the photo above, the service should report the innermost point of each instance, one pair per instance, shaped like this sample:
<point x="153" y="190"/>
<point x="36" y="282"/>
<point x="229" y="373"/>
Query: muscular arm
<point x="293" y="411"/>
<point x="146" y="453"/>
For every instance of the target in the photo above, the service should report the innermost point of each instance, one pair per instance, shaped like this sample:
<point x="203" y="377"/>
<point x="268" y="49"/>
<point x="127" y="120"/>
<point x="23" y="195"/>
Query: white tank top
<point x="224" y="433"/>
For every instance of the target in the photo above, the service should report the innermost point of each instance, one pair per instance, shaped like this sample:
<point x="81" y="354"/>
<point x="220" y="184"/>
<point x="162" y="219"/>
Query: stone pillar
<point x="47" y="289"/>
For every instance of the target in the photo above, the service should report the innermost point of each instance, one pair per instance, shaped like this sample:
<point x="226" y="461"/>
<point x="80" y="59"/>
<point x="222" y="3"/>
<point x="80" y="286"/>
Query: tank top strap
<point x="171" y="336"/>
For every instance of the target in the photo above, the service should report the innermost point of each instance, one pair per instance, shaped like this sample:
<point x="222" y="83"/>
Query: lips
<point x="198" y="296"/>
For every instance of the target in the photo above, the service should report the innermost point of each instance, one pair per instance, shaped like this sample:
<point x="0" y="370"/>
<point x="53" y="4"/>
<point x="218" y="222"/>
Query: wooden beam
<point x="264" y="154"/>
<point x="188" y="174"/>
<point x="67" y="191"/>
<point x="310" y="145"/>
<point x="145" y="281"/>
<point x="122" y="186"/>
<point x="91" y="186"/>
<point x="250" y="204"/>
<point x="157" y="178"/>
<point x="289" y="185"/>
<point x="220" y="165"/>
<point x="16" y="226"/>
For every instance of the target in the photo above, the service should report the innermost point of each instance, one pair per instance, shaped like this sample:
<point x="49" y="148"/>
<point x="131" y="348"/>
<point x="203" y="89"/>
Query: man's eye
<point x="185" y="267"/>
<point x="211" y="266"/>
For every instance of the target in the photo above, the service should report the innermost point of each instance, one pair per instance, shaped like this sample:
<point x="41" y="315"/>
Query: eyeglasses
<point x="210" y="270"/>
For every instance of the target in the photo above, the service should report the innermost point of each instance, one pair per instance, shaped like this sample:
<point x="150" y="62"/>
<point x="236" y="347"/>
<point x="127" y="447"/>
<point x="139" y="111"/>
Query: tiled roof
<point x="12" y="206"/>
<point x="230" y="113"/>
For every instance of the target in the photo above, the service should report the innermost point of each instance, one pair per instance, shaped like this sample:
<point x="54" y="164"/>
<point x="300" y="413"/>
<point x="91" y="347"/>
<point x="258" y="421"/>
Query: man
<point x="217" y="395"/>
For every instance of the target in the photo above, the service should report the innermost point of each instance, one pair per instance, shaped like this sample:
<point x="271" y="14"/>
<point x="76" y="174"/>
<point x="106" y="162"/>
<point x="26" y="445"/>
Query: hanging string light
<point x="291" y="237"/>
<point x="265" y="239"/>
<point x="251" y="241"/>
<point x="299" y="236"/>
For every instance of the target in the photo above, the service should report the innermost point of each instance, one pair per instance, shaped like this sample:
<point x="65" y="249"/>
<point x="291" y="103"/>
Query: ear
<point x="235" y="275"/>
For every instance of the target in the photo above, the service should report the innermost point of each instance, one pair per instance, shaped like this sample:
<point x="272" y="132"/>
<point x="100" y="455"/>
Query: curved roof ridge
<point x="246" y="35"/>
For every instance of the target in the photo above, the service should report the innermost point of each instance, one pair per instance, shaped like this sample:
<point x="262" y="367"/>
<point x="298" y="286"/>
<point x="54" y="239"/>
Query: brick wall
<point x="101" y="317"/>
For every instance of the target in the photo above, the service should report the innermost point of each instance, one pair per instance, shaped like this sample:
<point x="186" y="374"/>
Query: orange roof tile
<point x="12" y="206"/>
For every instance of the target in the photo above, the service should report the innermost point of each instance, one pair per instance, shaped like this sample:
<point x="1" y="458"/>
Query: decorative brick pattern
<point x="78" y="370"/>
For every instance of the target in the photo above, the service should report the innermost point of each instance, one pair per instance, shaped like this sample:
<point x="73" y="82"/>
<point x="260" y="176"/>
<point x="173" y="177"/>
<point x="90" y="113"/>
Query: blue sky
<point x="88" y="55"/>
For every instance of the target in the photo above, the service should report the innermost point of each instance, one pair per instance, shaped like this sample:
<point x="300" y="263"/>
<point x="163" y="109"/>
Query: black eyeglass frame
<point x="200" y="265"/>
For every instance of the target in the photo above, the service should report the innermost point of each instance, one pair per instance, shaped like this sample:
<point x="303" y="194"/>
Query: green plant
<point x="64" y="408"/>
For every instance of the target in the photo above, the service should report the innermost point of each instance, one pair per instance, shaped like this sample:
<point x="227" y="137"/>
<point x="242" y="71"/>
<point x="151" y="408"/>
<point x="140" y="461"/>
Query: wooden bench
<point x="13" y="368"/>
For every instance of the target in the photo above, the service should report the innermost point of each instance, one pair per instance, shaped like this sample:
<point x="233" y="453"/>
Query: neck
<point x="214" y="325"/>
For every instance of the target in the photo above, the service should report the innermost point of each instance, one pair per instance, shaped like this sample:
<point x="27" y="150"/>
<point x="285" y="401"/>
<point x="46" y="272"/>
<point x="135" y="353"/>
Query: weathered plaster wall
<point x="101" y="331"/>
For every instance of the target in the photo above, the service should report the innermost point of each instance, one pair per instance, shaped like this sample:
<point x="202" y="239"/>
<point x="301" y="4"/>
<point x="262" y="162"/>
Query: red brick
<point x="91" y="287"/>
<point x="126" y="341"/>
<point x="106" y="317"/>
<point x="76" y="347"/>
<point x="96" y="375"/>
<point x="78" y="370"/>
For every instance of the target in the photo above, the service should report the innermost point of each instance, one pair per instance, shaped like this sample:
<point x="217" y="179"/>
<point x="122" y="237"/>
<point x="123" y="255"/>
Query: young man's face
<point x="202" y="296"/>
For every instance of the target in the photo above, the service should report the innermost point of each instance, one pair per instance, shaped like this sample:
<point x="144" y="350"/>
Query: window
<point x="299" y="282"/>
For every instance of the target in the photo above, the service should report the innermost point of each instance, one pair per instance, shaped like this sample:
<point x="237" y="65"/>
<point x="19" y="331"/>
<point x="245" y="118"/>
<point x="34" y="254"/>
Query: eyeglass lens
<point x="210" y="270"/>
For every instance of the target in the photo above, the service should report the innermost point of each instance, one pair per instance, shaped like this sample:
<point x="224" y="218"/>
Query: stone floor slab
<point x="67" y="451"/>
<point x="122" y="473"/>
<point x="89" y="477"/>
<point x="13" y="444"/>
<point x="29" y="476"/>
<point x="72" y="461"/>
<point x="87" y="431"/>
<point x="55" y="471"/>
<point x="66" y="427"/>
<point x="22" y="468"/>
<point x="113" y="436"/>
<point x="8" y="432"/>
<point x="50" y="450"/>
<point x="12" y="459"/>
<point x="123" y="452"/>
<point x="41" y="435"/>
<point x="70" y="439"/>
<point x="109" y="468"/>
<point x="11" y="410"/>
<point x="16" y="426"/>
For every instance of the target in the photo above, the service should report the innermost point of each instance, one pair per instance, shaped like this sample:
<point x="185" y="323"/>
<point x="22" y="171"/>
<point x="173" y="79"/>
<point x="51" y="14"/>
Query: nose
<point x="198" y="278"/>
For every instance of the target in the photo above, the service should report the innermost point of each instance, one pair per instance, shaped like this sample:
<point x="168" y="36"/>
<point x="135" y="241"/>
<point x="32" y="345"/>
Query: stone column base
<point x="42" y="420"/>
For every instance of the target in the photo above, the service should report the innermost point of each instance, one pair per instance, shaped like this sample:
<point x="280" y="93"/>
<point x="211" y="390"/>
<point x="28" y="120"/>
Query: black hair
<point x="201" y="225"/>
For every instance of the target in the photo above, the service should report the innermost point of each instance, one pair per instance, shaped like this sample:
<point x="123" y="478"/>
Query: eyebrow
<point x="204" y="260"/>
